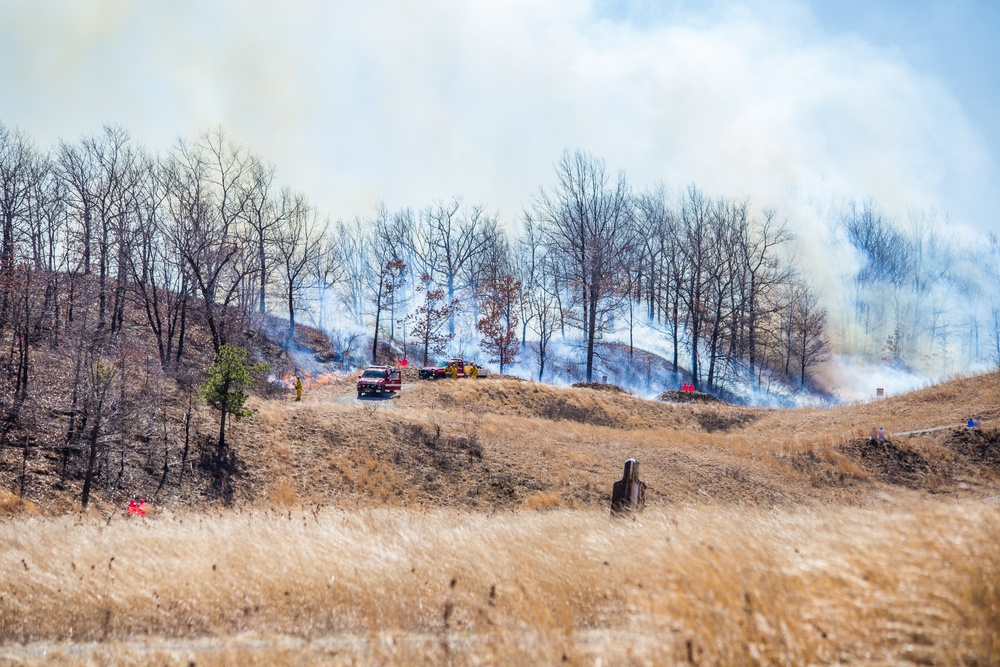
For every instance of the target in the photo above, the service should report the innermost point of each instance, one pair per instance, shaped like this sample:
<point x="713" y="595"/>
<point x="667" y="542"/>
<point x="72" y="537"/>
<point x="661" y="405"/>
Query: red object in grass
<point x="137" y="508"/>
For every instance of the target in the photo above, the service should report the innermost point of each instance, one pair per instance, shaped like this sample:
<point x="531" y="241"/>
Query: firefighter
<point x="474" y="372"/>
<point x="298" y="388"/>
<point x="451" y="371"/>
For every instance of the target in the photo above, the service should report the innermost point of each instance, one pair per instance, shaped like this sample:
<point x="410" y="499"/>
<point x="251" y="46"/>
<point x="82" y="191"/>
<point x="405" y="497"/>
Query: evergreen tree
<point x="229" y="377"/>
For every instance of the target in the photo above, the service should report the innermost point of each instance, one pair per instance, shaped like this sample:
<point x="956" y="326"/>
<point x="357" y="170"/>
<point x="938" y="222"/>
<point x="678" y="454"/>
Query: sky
<point x="794" y="104"/>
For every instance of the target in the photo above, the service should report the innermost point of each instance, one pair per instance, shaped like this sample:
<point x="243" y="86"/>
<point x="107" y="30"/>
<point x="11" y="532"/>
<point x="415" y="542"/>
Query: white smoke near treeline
<point x="907" y="301"/>
<point x="602" y="278"/>
<point x="912" y="295"/>
<point x="850" y="146"/>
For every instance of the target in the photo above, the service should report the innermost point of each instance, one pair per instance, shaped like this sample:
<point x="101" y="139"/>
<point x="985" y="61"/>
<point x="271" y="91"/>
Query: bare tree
<point x="17" y="175"/>
<point x="385" y="271"/>
<point x="428" y="321"/>
<point x="659" y="224"/>
<point x="991" y="268"/>
<point x="696" y="246"/>
<point x="328" y="271"/>
<point x="205" y="204"/>
<point x="588" y="224"/>
<point x="76" y="167"/>
<point x="528" y="258"/>
<point x="809" y="322"/>
<point x="355" y="261"/>
<point x="756" y="248"/>
<point x="113" y="159"/>
<point x="544" y="309"/>
<point x="298" y="244"/>
<point x="448" y="237"/>
<point x="99" y="405"/>
<point x="46" y="226"/>
<point x="263" y="214"/>
<point x="159" y="274"/>
<point x="500" y="319"/>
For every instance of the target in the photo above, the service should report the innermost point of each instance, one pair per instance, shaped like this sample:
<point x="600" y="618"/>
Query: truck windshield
<point x="374" y="374"/>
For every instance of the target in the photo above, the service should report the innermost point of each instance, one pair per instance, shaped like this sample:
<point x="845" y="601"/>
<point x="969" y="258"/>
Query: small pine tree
<point x="229" y="377"/>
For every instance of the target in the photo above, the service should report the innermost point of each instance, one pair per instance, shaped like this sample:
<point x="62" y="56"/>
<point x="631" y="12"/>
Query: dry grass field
<point x="466" y="523"/>
<point x="918" y="582"/>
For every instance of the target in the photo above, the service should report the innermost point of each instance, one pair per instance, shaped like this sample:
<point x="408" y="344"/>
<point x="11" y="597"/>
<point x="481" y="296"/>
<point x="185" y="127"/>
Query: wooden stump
<point x="628" y="494"/>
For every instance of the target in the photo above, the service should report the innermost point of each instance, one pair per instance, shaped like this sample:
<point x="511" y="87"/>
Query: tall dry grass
<point x="919" y="583"/>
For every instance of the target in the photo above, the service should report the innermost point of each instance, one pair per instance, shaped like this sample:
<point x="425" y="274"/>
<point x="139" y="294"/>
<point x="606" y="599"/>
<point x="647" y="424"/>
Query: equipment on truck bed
<point x="452" y="368"/>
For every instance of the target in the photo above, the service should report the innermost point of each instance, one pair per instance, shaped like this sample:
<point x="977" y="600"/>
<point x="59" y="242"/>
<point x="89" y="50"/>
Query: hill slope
<point x="501" y="443"/>
<point x="478" y="444"/>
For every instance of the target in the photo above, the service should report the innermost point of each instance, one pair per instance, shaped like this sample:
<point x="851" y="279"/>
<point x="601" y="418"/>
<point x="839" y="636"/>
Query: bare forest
<point x="107" y="246"/>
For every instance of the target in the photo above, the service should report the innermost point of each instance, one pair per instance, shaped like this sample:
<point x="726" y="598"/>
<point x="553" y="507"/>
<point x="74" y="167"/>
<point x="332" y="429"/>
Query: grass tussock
<point x="13" y="505"/>
<point x="721" y="586"/>
<point x="543" y="500"/>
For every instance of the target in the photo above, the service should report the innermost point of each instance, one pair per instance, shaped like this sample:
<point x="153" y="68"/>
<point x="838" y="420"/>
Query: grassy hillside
<point x="466" y="522"/>
<point x="505" y="444"/>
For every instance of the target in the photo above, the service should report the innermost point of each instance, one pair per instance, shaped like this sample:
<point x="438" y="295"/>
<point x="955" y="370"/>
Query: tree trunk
<point x="263" y="273"/>
<point x="183" y="326"/>
<point x="591" y="332"/>
<point x="95" y="433"/>
<point x="187" y="440"/>
<point x="378" y="315"/>
<point x="451" y="299"/>
<point x="291" y="317"/>
<point x="221" y="446"/>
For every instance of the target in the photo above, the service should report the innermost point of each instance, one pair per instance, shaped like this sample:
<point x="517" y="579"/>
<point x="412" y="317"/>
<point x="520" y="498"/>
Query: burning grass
<point x="717" y="585"/>
<point x="674" y="396"/>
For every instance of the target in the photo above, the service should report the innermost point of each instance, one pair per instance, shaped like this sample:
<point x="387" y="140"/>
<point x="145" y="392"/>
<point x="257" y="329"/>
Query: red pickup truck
<point x="379" y="381"/>
<point x="462" y="368"/>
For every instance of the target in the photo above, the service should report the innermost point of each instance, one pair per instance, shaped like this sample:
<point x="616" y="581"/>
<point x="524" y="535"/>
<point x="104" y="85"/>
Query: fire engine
<point x="459" y="367"/>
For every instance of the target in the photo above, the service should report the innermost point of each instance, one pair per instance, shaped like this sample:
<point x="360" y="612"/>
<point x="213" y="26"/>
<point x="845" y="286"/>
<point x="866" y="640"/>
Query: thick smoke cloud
<point x="413" y="101"/>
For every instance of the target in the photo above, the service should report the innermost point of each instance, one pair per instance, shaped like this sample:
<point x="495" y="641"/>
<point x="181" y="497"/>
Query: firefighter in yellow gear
<point x="451" y="371"/>
<point x="298" y="388"/>
<point x="474" y="371"/>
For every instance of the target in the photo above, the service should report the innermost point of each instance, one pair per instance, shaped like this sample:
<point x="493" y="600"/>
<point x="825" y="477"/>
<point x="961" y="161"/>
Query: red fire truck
<point x="379" y="381"/>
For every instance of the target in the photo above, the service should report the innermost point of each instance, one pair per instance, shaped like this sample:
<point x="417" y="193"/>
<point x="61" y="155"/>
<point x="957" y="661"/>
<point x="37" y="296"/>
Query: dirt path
<point x="937" y="428"/>
<point x="346" y="648"/>
<point x="351" y="399"/>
